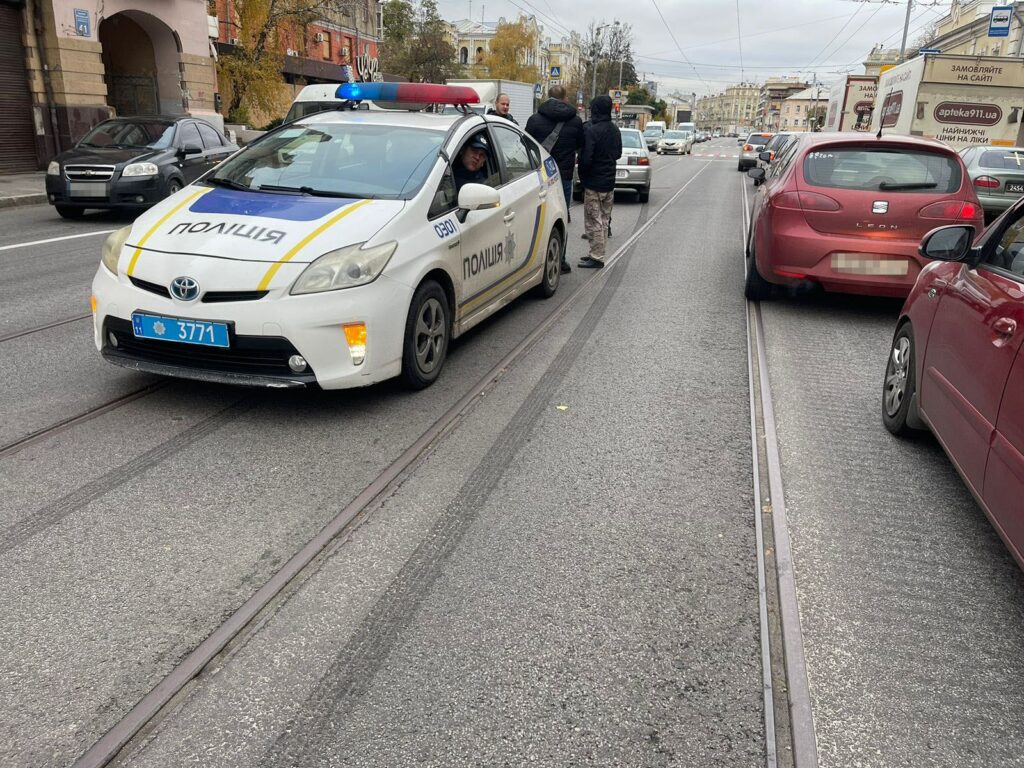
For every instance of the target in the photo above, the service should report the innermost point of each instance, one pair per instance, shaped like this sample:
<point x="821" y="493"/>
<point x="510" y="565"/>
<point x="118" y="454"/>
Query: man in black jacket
<point x="559" y="130"/>
<point x="602" y="146"/>
<point x="501" y="107"/>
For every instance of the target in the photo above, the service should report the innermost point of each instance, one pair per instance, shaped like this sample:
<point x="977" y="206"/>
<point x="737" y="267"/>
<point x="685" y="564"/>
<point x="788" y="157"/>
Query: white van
<point x="656" y="124"/>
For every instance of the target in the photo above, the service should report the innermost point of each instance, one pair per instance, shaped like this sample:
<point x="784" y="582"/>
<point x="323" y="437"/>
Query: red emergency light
<point x="408" y="93"/>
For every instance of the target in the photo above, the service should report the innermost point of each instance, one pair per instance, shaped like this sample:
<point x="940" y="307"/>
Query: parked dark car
<point x="133" y="162"/>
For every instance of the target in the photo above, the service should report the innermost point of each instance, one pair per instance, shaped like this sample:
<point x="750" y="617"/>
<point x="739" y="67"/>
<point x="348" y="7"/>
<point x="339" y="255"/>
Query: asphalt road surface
<point x="568" y="576"/>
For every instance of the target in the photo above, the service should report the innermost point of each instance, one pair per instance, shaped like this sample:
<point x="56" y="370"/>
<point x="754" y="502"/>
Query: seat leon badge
<point x="185" y="288"/>
<point x="880" y="206"/>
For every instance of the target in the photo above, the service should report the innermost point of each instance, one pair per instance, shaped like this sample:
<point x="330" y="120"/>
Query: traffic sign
<point x="537" y="91"/>
<point x="555" y="82"/>
<point x="929" y="50"/>
<point x="999" y="21"/>
<point x="556" y="73"/>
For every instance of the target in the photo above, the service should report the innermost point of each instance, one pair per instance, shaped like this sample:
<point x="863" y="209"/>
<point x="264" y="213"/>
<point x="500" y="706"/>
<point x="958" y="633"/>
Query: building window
<point x="464" y="55"/>
<point x="479" y="55"/>
<point x="325" y="44"/>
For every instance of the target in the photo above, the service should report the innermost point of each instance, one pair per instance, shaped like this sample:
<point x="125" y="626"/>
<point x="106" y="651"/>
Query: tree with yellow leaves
<point x="510" y="47"/>
<point x="250" y="77"/>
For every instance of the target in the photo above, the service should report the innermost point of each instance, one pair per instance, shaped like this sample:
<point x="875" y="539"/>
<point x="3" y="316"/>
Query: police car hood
<point x="258" y="226"/>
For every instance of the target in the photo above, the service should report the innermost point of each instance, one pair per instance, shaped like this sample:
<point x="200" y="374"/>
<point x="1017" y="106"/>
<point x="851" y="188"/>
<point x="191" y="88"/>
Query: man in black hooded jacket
<point x="564" y="145"/>
<point x="602" y="145"/>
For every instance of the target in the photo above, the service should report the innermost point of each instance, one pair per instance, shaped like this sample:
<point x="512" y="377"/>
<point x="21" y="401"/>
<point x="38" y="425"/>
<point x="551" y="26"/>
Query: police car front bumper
<point x="264" y="333"/>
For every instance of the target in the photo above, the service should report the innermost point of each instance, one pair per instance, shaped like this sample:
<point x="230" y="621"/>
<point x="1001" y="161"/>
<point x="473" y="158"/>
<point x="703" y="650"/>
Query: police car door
<point x="522" y="198"/>
<point x="483" y="236"/>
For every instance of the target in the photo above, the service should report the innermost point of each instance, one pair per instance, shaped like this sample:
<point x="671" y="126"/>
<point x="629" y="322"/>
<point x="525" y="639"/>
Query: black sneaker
<point x="589" y="263"/>
<point x="584" y="236"/>
<point x="566" y="269"/>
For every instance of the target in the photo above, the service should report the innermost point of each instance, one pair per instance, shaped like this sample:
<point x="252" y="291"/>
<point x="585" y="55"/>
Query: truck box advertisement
<point x="850" y="103"/>
<point x="959" y="100"/>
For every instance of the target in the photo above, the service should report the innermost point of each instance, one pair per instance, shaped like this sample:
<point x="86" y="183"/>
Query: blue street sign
<point x="82" y="22"/>
<point x="556" y="73"/>
<point x="537" y="90"/>
<point x="999" y="21"/>
<point x="929" y="50"/>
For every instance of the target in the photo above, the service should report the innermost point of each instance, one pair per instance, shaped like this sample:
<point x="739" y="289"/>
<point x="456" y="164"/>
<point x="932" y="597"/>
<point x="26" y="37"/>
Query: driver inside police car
<point x="470" y="167"/>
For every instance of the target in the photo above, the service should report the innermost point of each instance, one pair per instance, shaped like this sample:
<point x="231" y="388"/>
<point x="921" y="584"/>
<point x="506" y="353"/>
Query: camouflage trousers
<point x="597" y="215"/>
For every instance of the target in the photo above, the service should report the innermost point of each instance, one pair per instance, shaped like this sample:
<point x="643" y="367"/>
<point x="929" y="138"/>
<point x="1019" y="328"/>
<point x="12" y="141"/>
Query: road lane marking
<point x="54" y="239"/>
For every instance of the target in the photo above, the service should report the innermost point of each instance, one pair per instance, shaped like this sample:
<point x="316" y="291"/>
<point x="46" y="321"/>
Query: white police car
<point x="336" y="250"/>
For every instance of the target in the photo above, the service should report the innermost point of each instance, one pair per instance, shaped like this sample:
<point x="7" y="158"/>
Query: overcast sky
<point x="776" y="37"/>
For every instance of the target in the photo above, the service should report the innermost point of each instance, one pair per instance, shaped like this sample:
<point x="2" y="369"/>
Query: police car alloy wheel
<point x="552" y="268"/>
<point x="427" y="333"/>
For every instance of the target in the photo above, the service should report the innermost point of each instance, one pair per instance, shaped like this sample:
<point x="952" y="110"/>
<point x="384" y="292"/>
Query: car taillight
<point x="986" y="182"/>
<point x="644" y="161"/>
<point x="806" y="201"/>
<point x="748" y="148"/>
<point x="949" y="209"/>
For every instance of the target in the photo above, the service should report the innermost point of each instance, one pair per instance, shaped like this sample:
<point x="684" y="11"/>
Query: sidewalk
<point x="22" y="189"/>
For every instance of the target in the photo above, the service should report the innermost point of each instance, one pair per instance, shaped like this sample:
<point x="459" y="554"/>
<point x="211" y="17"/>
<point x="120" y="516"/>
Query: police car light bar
<point x="408" y="93"/>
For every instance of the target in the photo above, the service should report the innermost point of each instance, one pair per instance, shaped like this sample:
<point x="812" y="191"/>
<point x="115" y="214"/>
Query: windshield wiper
<point x="908" y="185"/>
<point x="317" y="192"/>
<point x="218" y="181"/>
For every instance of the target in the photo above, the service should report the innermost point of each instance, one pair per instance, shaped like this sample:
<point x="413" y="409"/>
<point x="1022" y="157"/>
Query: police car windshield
<point x="343" y="159"/>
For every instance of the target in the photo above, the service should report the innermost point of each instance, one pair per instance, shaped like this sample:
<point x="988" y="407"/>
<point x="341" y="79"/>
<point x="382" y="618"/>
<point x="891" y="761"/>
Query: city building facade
<point x="731" y="110"/>
<point x="799" y="110"/>
<point x="66" y="65"/>
<point x="769" y="104"/>
<point x="964" y="30"/>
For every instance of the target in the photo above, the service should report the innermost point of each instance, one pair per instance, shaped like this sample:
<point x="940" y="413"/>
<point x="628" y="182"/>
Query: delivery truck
<point x="959" y="100"/>
<point x="850" y="103"/>
<point x="520" y="96"/>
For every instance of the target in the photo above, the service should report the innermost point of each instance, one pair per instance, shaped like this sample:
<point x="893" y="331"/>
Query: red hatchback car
<point x="956" y="365"/>
<point x="847" y="212"/>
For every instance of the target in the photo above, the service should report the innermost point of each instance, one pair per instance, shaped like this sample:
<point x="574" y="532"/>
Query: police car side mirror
<point x="478" y="197"/>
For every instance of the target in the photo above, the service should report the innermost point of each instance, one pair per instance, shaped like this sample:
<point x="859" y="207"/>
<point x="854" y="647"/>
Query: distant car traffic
<point x="847" y="211"/>
<point x="652" y="136"/>
<point x="997" y="174"/>
<point x="956" y="367"/>
<point x="753" y="145"/>
<point x="133" y="163"/>
<point x="675" y="143"/>
<point x="337" y="251"/>
<point x="633" y="170"/>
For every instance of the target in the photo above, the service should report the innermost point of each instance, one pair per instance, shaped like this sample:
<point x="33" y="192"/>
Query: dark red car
<point x="956" y="365"/>
<point x="847" y="212"/>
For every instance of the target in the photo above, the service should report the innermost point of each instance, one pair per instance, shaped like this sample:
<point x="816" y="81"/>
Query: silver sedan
<point x="633" y="170"/>
<point x="997" y="174"/>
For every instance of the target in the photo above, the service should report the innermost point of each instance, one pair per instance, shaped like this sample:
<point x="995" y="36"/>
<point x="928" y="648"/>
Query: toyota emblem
<point x="185" y="288"/>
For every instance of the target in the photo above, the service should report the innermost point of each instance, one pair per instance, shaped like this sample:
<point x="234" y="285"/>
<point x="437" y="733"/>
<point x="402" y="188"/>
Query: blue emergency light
<point x="408" y="93"/>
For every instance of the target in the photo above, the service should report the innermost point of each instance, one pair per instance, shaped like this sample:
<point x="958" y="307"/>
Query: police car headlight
<point x="345" y="268"/>
<point x="53" y="169"/>
<point x="112" y="248"/>
<point x="140" y="169"/>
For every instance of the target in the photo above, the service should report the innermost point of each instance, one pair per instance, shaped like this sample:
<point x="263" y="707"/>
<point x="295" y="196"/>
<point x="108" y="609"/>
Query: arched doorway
<point x="141" y="65"/>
